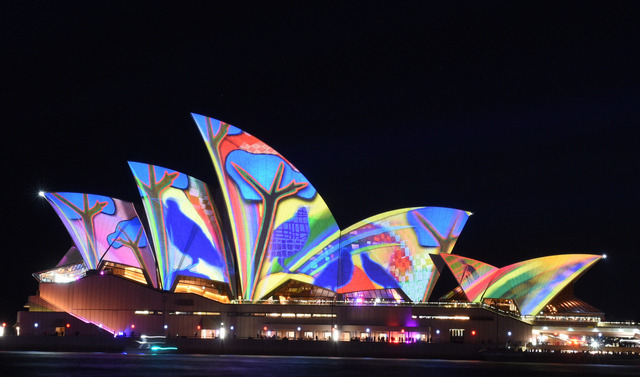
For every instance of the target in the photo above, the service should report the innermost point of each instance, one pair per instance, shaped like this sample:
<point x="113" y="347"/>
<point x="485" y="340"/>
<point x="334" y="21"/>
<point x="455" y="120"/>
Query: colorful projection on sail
<point x="535" y="282"/>
<point x="278" y="220"/>
<point x="105" y="229"/>
<point x="184" y="225"/>
<point x="390" y="251"/>
<point x="472" y="275"/>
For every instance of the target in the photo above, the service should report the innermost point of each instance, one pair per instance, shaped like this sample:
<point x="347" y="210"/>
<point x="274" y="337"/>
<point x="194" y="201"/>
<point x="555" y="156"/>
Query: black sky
<point x="525" y="115"/>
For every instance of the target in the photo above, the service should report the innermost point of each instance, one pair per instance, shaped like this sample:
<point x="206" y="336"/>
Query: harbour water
<point x="56" y="364"/>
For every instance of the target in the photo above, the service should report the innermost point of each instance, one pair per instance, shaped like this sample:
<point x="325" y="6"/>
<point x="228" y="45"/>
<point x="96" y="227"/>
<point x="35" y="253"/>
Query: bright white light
<point x="299" y="328"/>
<point x="166" y="327"/>
<point x="368" y="330"/>
<point x="595" y="344"/>
<point x="35" y="324"/>
<point x="604" y="256"/>
<point x="222" y="332"/>
<point x="438" y="332"/>
<point x="231" y="327"/>
<point x="509" y="333"/>
<point x="335" y="335"/>
<point x="41" y="194"/>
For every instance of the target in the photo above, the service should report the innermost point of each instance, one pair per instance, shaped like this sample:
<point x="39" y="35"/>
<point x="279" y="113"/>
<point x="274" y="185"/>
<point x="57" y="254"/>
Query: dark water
<point x="113" y="365"/>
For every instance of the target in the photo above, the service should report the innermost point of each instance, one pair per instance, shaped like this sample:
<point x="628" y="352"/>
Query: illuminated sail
<point x="278" y="220"/>
<point x="535" y="282"/>
<point x="105" y="229"/>
<point x="184" y="225"/>
<point x="390" y="251"/>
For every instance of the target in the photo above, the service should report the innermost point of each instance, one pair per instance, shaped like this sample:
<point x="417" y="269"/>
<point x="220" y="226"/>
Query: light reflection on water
<point x="114" y="365"/>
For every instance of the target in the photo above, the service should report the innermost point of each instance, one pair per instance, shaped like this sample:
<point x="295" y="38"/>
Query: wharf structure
<point x="266" y="259"/>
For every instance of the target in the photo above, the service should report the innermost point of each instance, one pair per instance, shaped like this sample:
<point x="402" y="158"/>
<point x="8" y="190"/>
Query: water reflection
<point x="114" y="365"/>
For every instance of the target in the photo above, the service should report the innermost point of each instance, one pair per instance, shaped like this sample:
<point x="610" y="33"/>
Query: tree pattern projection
<point x="130" y="234"/>
<point x="390" y="251"/>
<point x="262" y="191"/>
<point x="184" y="225"/>
<point x="91" y="220"/>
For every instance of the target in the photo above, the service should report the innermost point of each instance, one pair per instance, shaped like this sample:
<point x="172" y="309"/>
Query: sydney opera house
<point x="259" y="254"/>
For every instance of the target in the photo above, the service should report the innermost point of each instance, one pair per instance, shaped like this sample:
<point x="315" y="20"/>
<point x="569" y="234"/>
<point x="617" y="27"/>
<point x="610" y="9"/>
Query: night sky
<point x="524" y="115"/>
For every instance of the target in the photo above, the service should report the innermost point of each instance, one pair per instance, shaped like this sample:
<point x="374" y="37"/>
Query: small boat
<point x="152" y="345"/>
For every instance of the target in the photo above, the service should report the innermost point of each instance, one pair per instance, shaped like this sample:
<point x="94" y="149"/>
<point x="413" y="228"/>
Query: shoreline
<point x="268" y="347"/>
